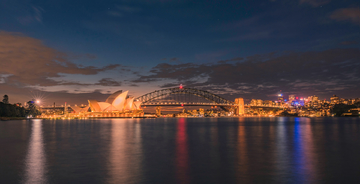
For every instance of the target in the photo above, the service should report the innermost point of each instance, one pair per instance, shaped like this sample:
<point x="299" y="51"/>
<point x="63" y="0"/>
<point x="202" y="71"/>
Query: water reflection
<point x="282" y="157"/>
<point x="192" y="150"/>
<point x="125" y="152"/>
<point x="243" y="165"/>
<point x="35" y="159"/>
<point x="182" y="165"/>
<point x="304" y="150"/>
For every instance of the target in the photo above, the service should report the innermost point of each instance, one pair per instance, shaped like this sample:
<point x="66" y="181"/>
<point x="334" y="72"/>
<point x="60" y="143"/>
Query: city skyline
<point x="71" y="52"/>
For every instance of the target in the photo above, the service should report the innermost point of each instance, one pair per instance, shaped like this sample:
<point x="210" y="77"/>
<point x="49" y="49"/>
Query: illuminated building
<point x="315" y="98"/>
<point x="334" y="100"/>
<point x="268" y="103"/>
<point x="280" y="97"/>
<point x="119" y="101"/>
<point x="78" y="109"/>
<point x="291" y="98"/>
<point x="201" y="112"/>
<point x="253" y="102"/>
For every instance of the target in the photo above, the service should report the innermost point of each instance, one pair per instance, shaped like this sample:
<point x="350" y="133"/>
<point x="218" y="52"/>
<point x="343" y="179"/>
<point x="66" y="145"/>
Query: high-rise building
<point x="280" y="97"/>
<point x="315" y="98"/>
<point x="334" y="100"/>
<point x="291" y="98"/>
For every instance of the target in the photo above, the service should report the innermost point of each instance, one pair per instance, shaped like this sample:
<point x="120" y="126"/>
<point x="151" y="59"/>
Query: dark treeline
<point x="339" y="109"/>
<point x="12" y="110"/>
<point x="16" y="110"/>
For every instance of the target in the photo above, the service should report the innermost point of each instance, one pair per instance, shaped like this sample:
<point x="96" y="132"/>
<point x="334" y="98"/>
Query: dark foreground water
<point x="203" y="150"/>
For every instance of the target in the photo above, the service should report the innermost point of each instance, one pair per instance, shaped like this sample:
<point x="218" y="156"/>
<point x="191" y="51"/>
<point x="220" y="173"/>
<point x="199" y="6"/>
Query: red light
<point x="181" y="86"/>
<point x="182" y="105"/>
<point x="297" y="98"/>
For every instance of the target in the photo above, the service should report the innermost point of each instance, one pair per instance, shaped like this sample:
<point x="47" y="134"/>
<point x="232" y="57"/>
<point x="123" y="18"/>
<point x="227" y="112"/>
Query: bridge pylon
<point x="240" y="110"/>
<point x="158" y="110"/>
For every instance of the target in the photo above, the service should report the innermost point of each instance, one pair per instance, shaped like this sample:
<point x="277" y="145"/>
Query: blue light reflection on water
<point x="298" y="151"/>
<point x="304" y="153"/>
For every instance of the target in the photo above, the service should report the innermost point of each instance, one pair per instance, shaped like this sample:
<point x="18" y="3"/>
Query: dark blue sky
<point x="86" y="49"/>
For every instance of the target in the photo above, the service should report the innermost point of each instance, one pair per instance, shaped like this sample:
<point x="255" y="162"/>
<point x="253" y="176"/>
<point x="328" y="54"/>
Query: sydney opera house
<point x="118" y="104"/>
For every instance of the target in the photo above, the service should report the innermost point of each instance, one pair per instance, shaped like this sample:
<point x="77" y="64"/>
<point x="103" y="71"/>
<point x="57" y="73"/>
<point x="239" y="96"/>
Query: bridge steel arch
<point x="169" y="91"/>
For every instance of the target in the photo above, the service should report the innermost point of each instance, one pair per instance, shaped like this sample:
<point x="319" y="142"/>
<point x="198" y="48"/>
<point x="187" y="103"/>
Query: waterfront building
<point x="334" y="100"/>
<point x="268" y="103"/>
<point x="117" y="102"/>
<point x="280" y="97"/>
<point x="315" y="98"/>
<point x="253" y="102"/>
<point x="291" y="98"/>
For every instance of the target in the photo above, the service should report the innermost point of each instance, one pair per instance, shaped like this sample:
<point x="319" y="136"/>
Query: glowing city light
<point x="181" y="86"/>
<point x="37" y="101"/>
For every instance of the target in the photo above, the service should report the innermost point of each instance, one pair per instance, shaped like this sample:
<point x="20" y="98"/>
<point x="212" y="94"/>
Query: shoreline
<point x="23" y="118"/>
<point x="12" y="118"/>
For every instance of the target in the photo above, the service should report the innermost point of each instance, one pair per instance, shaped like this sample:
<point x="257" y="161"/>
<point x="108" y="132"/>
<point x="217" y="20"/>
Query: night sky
<point x="71" y="51"/>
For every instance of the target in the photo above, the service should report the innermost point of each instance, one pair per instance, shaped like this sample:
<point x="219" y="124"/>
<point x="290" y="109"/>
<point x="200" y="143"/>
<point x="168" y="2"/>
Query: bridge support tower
<point x="240" y="110"/>
<point x="158" y="110"/>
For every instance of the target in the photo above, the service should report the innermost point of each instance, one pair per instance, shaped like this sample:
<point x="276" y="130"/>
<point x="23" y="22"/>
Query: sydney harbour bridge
<point x="181" y="96"/>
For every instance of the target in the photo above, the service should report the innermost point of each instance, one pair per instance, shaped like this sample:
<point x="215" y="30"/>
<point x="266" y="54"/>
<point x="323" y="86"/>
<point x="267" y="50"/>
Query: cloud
<point x="34" y="14"/>
<point x="347" y="14"/>
<point x="108" y="82"/>
<point x="315" y="3"/>
<point x="115" y="14"/>
<point x="28" y="61"/>
<point x="121" y="10"/>
<point x="172" y="60"/>
<point x="308" y="72"/>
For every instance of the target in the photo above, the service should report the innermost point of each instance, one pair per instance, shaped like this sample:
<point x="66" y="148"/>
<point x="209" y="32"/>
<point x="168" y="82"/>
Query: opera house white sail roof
<point x="119" y="101"/>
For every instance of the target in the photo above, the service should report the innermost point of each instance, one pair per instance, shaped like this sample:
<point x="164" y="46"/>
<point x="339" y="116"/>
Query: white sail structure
<point x="119" y="101"/>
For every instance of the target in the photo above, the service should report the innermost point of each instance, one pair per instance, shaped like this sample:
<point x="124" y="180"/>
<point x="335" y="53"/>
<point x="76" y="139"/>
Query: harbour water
<point x="181" y="150"/>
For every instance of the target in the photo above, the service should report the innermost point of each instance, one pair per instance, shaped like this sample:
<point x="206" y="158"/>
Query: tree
<point x="32" y="109"/>
<point x="6" y="99"/>
<point x="339" y="109"/>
